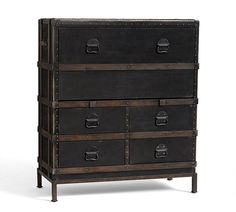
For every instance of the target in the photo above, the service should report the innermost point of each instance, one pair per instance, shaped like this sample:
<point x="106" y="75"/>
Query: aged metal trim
<point x="124" y="167"/>
<point x="39" y="92"/>
<point x="123" y="178"/>
<point x="40" y="172"/>
<point x="119" y="136"/>
<point x="85" y="137"/>
<point x="45" y="66"/>
<point x="162" y="134"/>
<point x="134" y="66"/>
<point x="109" y="103"/>
<point x="120" y="66"/>
<point x="112" y="23"/>
<point x="127" y="118"/>
<point x="45" y="101"/>
<point x="45" y="133"/>
<point x="117" y="103"/>
<point x="170" y="102"/>
<point x="45" y="165"/>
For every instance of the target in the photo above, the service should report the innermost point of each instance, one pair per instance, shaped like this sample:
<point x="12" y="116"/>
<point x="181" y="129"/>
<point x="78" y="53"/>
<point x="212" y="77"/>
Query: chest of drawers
<point x="117" y="100"/>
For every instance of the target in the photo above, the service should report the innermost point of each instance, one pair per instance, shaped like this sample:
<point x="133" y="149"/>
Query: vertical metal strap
<point x="48" y="93"/>
<point x="55" y="94"/>
<point x="195" y="87"/>
<point x="127" y="134"/>
<point x="39" y="90"/>
<point x="196" y="59"/>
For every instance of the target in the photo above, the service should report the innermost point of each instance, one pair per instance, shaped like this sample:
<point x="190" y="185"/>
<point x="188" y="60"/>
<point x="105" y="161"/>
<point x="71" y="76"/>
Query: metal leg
<point x="39" y="179"/>
<point x="194" y="183"/>
<point x="54" y="192"/>
<point x="170" y="178"/>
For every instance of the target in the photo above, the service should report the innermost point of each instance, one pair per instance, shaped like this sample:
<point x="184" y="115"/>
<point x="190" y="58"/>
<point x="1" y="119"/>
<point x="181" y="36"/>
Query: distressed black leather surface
<point x="178" y="149"/>
<point x="125" y="84"/>
<point x="126" y="45"/>
<point x="144" y="118"/>
<point x="72" y="154"/>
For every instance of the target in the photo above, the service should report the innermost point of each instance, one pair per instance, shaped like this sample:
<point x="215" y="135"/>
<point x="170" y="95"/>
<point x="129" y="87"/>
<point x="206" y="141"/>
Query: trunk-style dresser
<point x="117" y="100"/>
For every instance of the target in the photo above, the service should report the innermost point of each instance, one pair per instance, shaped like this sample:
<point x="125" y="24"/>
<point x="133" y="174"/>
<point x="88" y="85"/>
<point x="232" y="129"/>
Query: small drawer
<point x="161" y="118"/>
<point x="91" y="153"/>
<point x="91" y="120"/>
<point x="162" y="150"/>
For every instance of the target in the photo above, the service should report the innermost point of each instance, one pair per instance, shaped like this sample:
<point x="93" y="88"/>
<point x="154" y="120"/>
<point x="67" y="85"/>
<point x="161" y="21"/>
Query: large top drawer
<point x="160" y="44"/>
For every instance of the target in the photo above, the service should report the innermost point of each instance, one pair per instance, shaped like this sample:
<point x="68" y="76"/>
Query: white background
<point x="216" y="111"/>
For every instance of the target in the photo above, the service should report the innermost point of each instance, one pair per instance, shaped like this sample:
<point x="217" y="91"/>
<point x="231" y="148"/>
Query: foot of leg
<point x="194" y="183"/>
<point x="54" y="192"/>
<point x="169" y="178"/>
<point x="39" y="179"/>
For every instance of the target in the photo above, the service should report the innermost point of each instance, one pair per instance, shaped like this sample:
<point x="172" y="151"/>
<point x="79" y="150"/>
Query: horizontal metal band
<point x="135" y="66"/>
<point x="131" y="135"/>
<point x="43" y="174"/>
<point x="118" y="136"/>
<point x="120" y="66"/>
<point x="45" y="66"/>
<point x="123" y="178"/>
<point x="45" y="165"/>
<point x="45" y="133"/>
<point x="117" y="103"/>
<point x="119" y="168"/>
<point x="44" y="101"/>
<point x="86" y="137"/>
<point x="170" y="102"/>
<point x="162" y="134"/>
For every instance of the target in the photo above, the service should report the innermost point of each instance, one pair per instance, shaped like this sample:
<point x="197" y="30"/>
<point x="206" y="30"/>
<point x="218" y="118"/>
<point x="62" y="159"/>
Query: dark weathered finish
<point x="130" y="45"/>
<point x="125" y="84"/>
<point x="175" y="150"/>
<point x="91" y="153"/>
<point x="117" y="100"/>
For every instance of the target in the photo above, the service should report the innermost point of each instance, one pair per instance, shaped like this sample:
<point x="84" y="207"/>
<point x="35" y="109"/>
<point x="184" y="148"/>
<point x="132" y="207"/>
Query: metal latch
<point x="91" y="154"/>
<point x="92" y="121"/>
<point x="161" y="151"/>
<point x="161" y="118"/>
<point x="92" y="46"/>
<point x="163" y="46"/>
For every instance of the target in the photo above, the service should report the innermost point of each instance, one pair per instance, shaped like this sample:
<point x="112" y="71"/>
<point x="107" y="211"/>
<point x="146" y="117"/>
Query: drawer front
<point x="162" y="150"/>
<point x="85" y="85"/>
<point x="91" y="153"/>
<point x="161" y="118"/>
<point x="91" y="120"/>
<point x="126" y="45"/>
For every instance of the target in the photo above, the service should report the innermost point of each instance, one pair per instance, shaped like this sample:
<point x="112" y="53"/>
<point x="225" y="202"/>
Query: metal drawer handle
<point x="91" y="155"/>
<point x="92" y="46"/>
<point x="163" y="46"/>
<point x="161" y="119"/>
<point x="92" y="121"/>
<point x="161" y="151"/>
